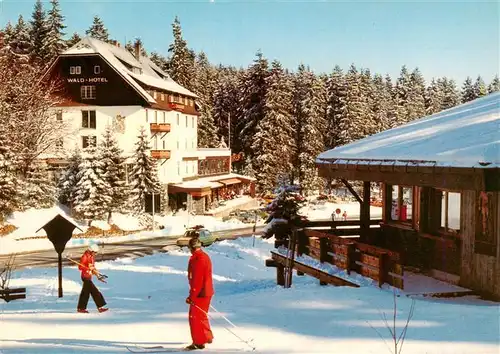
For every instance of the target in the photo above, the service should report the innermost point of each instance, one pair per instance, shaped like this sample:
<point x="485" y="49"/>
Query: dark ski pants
<point x="89" y="288"/>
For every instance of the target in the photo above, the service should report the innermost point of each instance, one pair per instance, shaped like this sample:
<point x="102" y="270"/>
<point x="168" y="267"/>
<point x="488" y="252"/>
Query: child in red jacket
<point x="87" y="267"/>
<point x="201" y="291"/>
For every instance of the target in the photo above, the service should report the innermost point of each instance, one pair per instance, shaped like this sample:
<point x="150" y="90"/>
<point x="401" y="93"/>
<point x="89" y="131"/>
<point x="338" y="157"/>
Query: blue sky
<point x="446" y="38"/>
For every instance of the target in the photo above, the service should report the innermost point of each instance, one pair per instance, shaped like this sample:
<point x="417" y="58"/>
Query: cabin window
<point x="89" y="119"/>
<point x="59" y="116"/>
<point x="192" y="121"/>
<point x="187" y="122"/>
<point x="164" y="117"/>
<point x="486" y="235"/>
<point x="75" y="70"/>
<point x="450" y="212"/>
<point x="164" y="145"/>
<point x="97" y="69"/>
<point x="90" y="140"/>
<point x="402" y="203"/>
<point x="178" y="119"/>
<point x="155" y="95"/>
<point x="162" y="96"/>
<point x="191" y="102"/>
<point x="156" y="116"/>
<point x="87" y="92"/>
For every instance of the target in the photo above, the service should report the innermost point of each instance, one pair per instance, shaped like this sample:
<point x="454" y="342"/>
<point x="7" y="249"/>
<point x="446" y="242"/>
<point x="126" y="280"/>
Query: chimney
<point x="137" y="49"/>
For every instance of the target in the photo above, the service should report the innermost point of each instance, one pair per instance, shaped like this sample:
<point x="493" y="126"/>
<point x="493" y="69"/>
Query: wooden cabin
<point x="440" y="180"/>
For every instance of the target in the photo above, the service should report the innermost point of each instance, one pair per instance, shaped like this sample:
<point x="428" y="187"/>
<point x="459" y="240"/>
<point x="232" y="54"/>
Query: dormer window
<point x="97" y="69"/>
<point x="162" y="96"/>
<point x="137" y="70"/>
<point x="75" y="70"/>
<point x="155" y="96"/>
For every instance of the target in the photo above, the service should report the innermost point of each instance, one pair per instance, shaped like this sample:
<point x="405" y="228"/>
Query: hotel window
<point x="147" y="116"/>
<point x="59" y="116"/>
<point x="191" y="102"/>
<point x="154" y="95"/>
<point x="90" y="140"/>
<point x="97" y="69"/>
<point x="178" y="168"/>
<point x="178" y="119"/>
<point x="156" y="116"/>
<point x="164" y="145"/>
<point x="75" y="70"/>
<point x="87" y="92"/>
<point x="176" y="98"/>
<point x="192" y="167"/>
<point x="164" y="117"/>
<point x="186" y="164"/>
<point x="186" y="121"/>
<point x="186" y="144"/>
<point x="192" y="121"/>
<point x="88" y="119"/>
<point x="162" y="96"/>
<point x="177" y="144"/>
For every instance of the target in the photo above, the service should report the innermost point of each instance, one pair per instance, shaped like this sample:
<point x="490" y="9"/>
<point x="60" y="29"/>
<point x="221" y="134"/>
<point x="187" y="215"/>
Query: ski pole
<point x="99" y="275"/>
<point x="237" y="336"/>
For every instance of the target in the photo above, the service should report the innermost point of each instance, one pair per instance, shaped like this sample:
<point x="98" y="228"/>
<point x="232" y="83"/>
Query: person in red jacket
<point x="87" y="267"/>
<point x="201" y="291"/>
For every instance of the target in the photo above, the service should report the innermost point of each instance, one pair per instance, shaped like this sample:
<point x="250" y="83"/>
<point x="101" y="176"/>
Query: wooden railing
<point x="160" y="127"/>
<point x="160" y="154"/>
<point x="12" y="294"/>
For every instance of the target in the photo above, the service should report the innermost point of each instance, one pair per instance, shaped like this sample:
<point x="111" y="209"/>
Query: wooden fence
<point x="379" y="264"/>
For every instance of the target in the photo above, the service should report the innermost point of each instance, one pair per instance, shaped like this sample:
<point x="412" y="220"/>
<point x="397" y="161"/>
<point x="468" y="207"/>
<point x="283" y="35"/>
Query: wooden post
<point x="365" y="212"/>
<point x="386" y="202"/>
<point x="351" y="257"/>
<point x="59" y="265"/>
<point x="323" y="250"/>
<point x="280" y="275"/>
<point x="383" y="269"/>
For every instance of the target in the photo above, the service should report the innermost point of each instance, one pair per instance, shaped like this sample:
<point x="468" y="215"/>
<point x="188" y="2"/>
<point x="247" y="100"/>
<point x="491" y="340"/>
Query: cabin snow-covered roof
<point x="467" y="135"/>
<point x="147" y="72"/>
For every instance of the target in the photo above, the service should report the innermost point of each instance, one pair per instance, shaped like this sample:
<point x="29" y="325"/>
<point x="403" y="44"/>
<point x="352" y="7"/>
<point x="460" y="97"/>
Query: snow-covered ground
<point x="146" y="300"/>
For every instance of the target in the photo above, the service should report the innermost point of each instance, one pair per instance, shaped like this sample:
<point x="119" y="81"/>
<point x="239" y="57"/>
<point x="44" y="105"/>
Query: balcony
<point x="160" y="127"/>
<point x="160" y="154"/>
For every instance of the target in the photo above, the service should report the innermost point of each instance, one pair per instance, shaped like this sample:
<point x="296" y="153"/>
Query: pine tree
<point x="416" y="98"/>
<point x="391" y="94"/>
<point x="433" y="98"/>
<point x="495" y="85"/>
<point x="182" y="59"/>
<point x="8" y="187"/>
<point x="402" y="96"/>
<point x="93" y="195"/>
<point x="274" y="137"/>
<point x="468" y="93"/>
<point x="369" y="124"/>
<point x="37" y="189"/>
<point x="381" y="104"/>
<point x="253" y="90"/>
<point x="159" y="60"/>
<point x="144" y="174"/>
<point x="55" y="43"/>
<point x="480" y="89"/>
<point x="74" y="39"/>
<point x="204" y="88"/>
<point x="20" y="42"/>
<point x="8" y="34"/>
<point x="97" y="30"/>
<point x="38" y="33"/>
<point x="69" y="180"/>
<point x="451" y="96"/>
<point x="113" y="169"/>
<point x="351" y="121"/>
<point x="310" y="110"/>
<point x="337" y="92"/>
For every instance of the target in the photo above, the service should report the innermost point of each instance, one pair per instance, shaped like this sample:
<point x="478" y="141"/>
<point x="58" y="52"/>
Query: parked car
<point x="199" y="231"/>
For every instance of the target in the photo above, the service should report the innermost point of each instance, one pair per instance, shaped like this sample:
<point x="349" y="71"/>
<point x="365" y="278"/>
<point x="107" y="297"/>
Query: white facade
<point x="127" y="121"/>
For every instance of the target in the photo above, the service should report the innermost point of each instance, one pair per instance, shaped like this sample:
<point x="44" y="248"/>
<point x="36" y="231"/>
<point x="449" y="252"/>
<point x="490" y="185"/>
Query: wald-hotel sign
<point x="87" y="80"/>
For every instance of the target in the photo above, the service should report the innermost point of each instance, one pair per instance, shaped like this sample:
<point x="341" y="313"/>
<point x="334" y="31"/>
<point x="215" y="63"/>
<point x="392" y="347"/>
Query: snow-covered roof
<point x="211" y="182"/>
<point x="467" y="135"/>
<point x="117" y="56"/>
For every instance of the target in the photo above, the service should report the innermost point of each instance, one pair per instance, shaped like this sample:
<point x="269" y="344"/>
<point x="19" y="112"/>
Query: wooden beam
<point x="353" y="192"/>
<point x="365" y="211"/>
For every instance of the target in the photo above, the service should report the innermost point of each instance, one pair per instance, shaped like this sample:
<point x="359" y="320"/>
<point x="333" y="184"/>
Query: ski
<point x="161" y="349"/>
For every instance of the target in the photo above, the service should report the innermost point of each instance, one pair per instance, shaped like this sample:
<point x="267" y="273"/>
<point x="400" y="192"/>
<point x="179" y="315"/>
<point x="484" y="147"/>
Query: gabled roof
<point x="119" y="58"/>
<point x="467" y="135"/>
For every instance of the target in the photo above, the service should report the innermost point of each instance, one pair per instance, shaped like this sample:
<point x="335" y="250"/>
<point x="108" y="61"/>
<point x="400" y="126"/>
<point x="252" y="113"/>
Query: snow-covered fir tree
<point x="93" y="192"/>
<point x="336" y="106"/>
<point x="367" y="90"/>
<point x="69" y="180"/>
<point x="8" y="187"/>
<point x="20" y="41"/>
<point x="380" y="104"/>
<point x="97" y="30"/>
<point x="392" y="111"/>
<point x="402" y="94"/>
<point x="55" y="42"/>
<point x="310" y="110"/>
<point x="38" y="33"/>
<point x="468" y="93"/>
<point x="182" y="59"/>
<point x="75" y="38"/>
<point x="144" y="174"/>
<point x="159" y="60"/>
<point x="416" y="98"/>
<point x="38" y="188"/>
<point x="113" y="169"/>
<point x="273" y="143"/>
<point x="451" y="95"/>
<point x="494" y="86"/>
<point x="480" y="89"/>
<point x="204" y="87"/>
<point x="433" y="98"/>
<point x="8" y="34"/>
<point x="253" y="89"/>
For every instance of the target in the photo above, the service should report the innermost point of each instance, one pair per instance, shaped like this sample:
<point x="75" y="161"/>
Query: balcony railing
<point x="160" y="127"/>
<point x="160" y="154"/>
